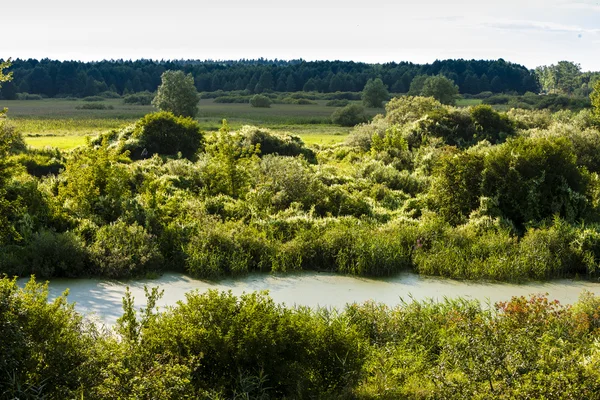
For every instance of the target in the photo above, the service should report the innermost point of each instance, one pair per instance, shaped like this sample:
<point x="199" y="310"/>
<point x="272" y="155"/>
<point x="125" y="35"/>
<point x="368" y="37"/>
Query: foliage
<point x="350" y="115"/>
<point x="374" y="93"/>
<point x="261" y="101"/>
<point x="217" y="345"/>
<point x="595" y="97"/>
<point x="121" y="250"/>
<point x="440" y="88"/>
<point x="142" y="98"/>
<point x="177" y="94"/>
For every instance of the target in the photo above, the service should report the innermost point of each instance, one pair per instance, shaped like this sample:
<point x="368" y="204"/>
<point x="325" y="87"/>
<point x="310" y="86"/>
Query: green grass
<point x="61" y="142"/>
<point x="58" y="123"/>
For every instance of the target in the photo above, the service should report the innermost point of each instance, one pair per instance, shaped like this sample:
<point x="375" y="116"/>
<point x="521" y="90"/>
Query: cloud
<point x="528" y="25"/>
<point x="580" y="5"/>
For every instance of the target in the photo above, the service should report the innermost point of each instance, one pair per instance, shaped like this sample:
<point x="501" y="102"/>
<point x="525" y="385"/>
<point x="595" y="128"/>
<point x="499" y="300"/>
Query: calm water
<point x="103" y="297"/>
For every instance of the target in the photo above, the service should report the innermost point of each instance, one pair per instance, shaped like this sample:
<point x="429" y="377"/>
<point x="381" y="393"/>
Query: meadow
<point x="58" y="122"/>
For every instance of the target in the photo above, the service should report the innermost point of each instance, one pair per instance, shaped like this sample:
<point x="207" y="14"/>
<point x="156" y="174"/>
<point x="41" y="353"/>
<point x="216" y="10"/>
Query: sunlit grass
<point x="60" y="142"/>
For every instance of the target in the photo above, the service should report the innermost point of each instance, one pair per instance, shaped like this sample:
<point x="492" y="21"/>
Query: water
<point x="104" y="297"/>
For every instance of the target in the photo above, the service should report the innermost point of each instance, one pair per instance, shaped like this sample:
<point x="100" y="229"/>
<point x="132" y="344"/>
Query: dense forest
<point x="79" y="79"/>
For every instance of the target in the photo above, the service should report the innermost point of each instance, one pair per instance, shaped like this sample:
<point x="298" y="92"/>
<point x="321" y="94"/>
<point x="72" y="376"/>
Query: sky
<point x="528" y="32"/>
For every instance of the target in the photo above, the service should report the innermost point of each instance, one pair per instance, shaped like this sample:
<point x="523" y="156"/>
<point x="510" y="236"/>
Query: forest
<point x="472" y="191"/>
<point x="79" y="79"/>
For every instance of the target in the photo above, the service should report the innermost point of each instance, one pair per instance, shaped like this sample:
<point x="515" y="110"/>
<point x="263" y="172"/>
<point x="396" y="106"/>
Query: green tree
<point x="595" y="96"/>
<point x="416" y="85"/>
<point x="374" y="93"/>
<point x="177" y="94"/>
<point x="441" y="88"/>
<point x="4" y="78"/>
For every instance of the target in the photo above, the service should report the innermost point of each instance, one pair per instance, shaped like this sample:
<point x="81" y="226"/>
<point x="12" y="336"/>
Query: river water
<point x="103" y="298"/>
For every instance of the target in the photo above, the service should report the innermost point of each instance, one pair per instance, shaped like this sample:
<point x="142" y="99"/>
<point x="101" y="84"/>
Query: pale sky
<point x="529" y="32"/>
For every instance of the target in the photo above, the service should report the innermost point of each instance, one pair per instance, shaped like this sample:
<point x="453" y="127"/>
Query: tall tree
<point x="374" y="93"/>
<point x="177" y="94"/>
<point x="441" y="88"/>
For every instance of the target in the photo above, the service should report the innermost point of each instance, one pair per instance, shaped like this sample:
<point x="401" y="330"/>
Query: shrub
<point x="94" y="98"/>
<point x="27" y="96"/>
<point x="141" y="98"/>
<point x="259" y="100"/>
<point x="271" y="142"/>
<point x="351" y="115"/>
<point x="123" y="250"/>
<point x="337" y="103"/>
<point x="232" y="99"/>
<point x="94" y="106"/>
<point x="50" y="254"/>
<point x="110" y="95"/>
<point x="165" y="134"/>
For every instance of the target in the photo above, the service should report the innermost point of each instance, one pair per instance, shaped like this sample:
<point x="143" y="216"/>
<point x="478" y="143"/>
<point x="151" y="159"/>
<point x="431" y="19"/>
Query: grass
<point x="58" y="123"/>
<point x="61" y="142"/>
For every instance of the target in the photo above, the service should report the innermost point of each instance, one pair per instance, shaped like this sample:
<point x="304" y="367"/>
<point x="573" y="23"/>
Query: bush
<point x="110" y="95"/>
<point x="271" y="142"/>
<point x="141" y="98"/>
<point x="94" y="106"/>
<point x="232" y="99"/>
<point x="259" y="100"/>
<point x="337" y="103"/>
<point x="351" y="115"/>
<point x="165" y="134"/>
<point x="122" y="250"/>
<point x="27" y="96"/>
<point x="93" y="98"/>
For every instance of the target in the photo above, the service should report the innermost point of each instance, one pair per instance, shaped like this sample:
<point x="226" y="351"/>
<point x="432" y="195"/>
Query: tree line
<point x="54" y="78"/>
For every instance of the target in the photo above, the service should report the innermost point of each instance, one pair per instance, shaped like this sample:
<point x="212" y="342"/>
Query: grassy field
<point x="58" y="122"/>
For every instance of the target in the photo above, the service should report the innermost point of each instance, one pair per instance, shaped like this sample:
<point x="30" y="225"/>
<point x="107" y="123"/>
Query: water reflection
<point x="104" y="297"/>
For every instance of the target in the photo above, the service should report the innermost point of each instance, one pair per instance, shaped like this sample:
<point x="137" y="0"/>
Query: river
<point x="103" y="298"/>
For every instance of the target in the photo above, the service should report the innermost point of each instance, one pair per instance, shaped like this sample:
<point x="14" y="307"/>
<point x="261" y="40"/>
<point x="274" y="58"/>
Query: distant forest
<point x="79" y="79"/>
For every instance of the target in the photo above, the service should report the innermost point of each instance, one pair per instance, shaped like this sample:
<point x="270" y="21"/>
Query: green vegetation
<point x="460" y="192"/>
<point x="177" y="94"/>
<point x="374" y="93"/>
<point x="216" y="346"/>
<point x="259" y="100"/>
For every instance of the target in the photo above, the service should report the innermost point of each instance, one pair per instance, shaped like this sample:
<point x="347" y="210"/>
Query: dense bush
<point x="162" y="133"/>
<point x="352" y="114"/>
<point x="94" y="106"/>
<point x="337" y="103"/>
<point x="261" y="101"/>
<point x="270" y="142"/>
<point x="121" y="250"/>
<point x="93" y="98"/>
<point x="140" y="98"/>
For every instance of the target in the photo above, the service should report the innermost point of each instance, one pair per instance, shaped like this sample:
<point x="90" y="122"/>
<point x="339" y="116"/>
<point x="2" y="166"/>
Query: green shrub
<point x="94" y="106"/>
<point x="271" y="142"/>
<point x="123" y="250"/>
<point x="141" y="98"/>
<point x="352" y="114"/>
<point x="337" y="103"/>
<point x="165" y="134"/>
<point x="94" y="98"/>
<point x="261" y="101"/>
<point x="27" y="96"/>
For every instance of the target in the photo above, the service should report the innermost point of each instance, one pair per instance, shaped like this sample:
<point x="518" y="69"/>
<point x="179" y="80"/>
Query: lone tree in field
<point x="374" y="93"/>
<point x="440" y="88"/>
<point x="177" y="94"/>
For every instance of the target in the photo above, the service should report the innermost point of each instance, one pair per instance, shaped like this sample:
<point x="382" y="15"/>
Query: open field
<point x="58" y="122"/>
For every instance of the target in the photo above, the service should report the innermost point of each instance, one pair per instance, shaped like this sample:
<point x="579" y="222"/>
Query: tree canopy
<point x="374" y="93"/>
<point x="177" y="94"/>
<point x="441" y="88"/>
<point x="74" y="78"/>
